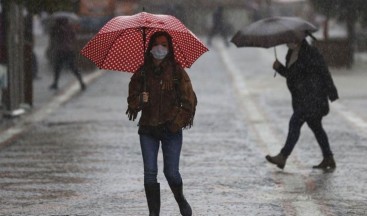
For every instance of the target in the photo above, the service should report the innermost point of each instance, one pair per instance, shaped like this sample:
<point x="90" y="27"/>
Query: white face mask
<point x="291" y="45"/>
<point x="159" y="52"/>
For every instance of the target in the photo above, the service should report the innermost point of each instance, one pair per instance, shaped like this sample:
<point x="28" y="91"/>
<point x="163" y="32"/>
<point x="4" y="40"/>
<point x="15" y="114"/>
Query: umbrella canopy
<point x="273" y="31"/>
<point x="121" y="43"/>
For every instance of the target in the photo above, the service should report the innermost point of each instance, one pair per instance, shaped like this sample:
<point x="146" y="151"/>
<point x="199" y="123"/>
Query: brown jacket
<point x="172" y="100"/>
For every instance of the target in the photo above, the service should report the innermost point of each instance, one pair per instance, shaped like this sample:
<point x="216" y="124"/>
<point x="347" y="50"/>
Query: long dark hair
<point x="170" y="56"/>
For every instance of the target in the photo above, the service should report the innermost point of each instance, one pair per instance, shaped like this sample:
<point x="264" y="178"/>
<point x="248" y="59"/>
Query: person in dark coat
<point x="311" y="86"/>
<point x="63" y="38"/>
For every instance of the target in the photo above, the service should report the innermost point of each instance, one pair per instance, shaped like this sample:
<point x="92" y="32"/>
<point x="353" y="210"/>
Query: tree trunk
<point x="13" y="95"/>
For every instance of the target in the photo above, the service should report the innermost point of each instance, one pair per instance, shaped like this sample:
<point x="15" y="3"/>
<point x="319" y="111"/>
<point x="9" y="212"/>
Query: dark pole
<point x="143" y="70"/>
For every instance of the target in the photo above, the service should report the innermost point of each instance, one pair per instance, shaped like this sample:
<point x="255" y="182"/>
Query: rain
<point x="67" y="146"/>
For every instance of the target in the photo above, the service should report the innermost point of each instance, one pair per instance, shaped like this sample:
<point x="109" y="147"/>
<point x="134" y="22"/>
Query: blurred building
<point x="197" y="14"/>
<point x="95" y="13"/>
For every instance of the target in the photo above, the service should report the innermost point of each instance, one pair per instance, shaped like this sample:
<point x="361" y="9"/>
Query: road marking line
<point x="352" y="117"/>
<point x="268" y="139"/>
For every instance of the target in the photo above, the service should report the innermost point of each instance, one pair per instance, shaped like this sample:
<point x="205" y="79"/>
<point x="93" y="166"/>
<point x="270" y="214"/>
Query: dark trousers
<point x="171" y="148"/>
<point x="66" y="58"/>
<point x="315" y="124"/>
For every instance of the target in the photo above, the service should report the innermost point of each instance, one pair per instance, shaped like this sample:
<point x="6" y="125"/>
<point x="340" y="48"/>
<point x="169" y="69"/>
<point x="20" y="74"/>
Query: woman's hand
<point x="276" y="65"/>
<point x="145" y="97"/>
<point x="132" y="114"/>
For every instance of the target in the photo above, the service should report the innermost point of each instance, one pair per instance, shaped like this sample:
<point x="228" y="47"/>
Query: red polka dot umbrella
<point x="120" y="43"/>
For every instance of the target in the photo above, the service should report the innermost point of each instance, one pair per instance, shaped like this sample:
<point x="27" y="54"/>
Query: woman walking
<point x="162" y="91"/>
<point x="311" y="86"/>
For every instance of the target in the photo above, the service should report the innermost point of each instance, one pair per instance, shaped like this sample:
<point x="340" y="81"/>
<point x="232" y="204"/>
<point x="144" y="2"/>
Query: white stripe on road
<point x="352" y="117"/>
<point x="258" y="121"/>
<point x="253" y="112"/>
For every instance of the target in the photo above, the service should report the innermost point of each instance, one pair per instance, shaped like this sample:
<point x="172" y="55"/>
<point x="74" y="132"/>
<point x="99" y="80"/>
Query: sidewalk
<point x="45" y="100"/>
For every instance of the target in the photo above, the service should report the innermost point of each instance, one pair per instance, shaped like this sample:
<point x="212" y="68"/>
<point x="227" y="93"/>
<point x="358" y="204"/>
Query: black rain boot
<point x="81" y="82"/>
<point x="327" y="163"/>
<point x="80" y="79"/>
<point x="185" y="208"/>
<point x="153" y="194"/>
<point x="279" y="160"/>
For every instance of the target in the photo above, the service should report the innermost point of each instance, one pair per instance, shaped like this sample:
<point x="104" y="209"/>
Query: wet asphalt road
<point x="84" y="158"/>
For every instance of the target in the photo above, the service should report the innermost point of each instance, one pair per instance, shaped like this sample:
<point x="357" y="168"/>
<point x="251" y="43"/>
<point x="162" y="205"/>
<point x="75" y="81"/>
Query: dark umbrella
<point x="71" y="18"/>
<point x="273" y="31"/>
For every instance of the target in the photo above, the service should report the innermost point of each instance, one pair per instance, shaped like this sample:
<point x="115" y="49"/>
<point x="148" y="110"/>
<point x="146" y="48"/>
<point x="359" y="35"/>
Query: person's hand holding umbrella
<point x="145" y="97"/>
<point x="277" y="64"/>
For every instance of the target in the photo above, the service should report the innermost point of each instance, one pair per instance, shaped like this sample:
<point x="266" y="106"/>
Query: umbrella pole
<point x="275" y="53"/>
<point x="276" y="58"/>
<point x="144" y="75"/>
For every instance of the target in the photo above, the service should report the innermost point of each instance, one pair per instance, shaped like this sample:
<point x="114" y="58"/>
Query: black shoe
<point x="326" y="163"/>
<point x="278" y="160"/>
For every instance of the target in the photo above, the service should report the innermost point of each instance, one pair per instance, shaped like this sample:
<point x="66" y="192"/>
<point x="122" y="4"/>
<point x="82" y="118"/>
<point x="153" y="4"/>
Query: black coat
<point x="309" y="82"/>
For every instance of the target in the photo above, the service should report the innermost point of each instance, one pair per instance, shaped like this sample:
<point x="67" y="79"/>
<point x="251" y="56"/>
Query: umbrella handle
<point x="144" y="80"/>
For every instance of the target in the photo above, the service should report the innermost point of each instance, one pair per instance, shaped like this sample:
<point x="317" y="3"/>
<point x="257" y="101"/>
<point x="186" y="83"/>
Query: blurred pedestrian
<point x="311" y="86"/>
<point x="35" y="66"/>
<point x="219" y="26"/>
<point x="63" y="38"/>
<point x="30" y="58"/>
<point x="162" y="90"/>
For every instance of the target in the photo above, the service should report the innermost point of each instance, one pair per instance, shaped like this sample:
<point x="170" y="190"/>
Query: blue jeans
<point x="171" y="148"/>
